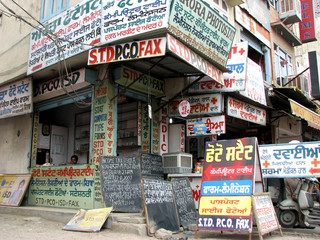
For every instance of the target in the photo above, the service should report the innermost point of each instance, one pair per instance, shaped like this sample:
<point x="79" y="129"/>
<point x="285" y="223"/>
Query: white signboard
<point x="58" y="86"/>
<point x="246" y="111"/>
<point x="214" y="125"/>
<point x="121" y="19"/>
<point x="199" y="105"/>
<point x="77" y="29"/>
<point x="290" y="160"/>
<point x="254" y="83"/>
<point x="233" y="81"/>
<point x="16" y="98"/>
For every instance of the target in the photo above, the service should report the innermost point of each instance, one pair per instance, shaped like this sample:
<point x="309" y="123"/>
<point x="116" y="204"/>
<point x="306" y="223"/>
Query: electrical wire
<point x="61" y="59"/>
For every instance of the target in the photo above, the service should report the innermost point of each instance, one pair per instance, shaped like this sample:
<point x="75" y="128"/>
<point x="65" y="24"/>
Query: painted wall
<point x="15" y="144"/>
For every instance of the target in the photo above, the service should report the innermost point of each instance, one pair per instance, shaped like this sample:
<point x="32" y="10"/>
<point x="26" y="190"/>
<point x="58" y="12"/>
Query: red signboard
<point x="227" y="185"/>
<point x="307" y="25"/>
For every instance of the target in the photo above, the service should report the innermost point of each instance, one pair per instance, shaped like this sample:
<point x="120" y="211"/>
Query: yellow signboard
<point x="88" y="220"/>
<point x="225" y="205"/>
<point x="303" y="112"/>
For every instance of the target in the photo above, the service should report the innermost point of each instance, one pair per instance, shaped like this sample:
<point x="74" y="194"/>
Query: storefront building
<point x="123" y="80"/>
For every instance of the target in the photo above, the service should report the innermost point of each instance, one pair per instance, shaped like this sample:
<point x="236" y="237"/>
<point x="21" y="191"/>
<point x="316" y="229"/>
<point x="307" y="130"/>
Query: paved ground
<point x="14" y="227"/>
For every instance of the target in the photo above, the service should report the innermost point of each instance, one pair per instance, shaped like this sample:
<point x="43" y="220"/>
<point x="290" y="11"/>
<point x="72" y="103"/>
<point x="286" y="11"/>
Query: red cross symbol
<point x="266" y="164"/>
<point x="315" y="162"/>
<point x="241" y="51"/>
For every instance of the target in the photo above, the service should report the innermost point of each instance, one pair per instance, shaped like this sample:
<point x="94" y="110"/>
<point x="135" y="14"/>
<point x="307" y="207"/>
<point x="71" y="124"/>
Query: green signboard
<point x="202" y="28"/>
<point x="62" y="186"/>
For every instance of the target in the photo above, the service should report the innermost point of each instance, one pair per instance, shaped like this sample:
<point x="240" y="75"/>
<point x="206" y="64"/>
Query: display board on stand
<point x="265" y="214"/>
<point x="227" y="185"/>
<point x="121" y="183"/>
<point x="159" y="205"/>
<point x="151" y="166"/>
<point x="184" y="201"/>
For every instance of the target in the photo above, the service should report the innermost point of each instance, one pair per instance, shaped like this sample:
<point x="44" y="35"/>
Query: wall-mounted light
<point x="170" y="120"/>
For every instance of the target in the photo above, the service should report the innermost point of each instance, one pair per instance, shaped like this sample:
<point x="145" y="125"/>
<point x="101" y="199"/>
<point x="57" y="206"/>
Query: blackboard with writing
<point x="151" y="166"/>
<point x="121" y="183"/>
<point x="159" y="206"/>
<point x="184" y="201"/>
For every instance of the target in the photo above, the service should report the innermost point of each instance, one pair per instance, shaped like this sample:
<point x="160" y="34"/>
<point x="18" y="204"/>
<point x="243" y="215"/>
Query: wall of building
<point x="15" y="144"/>
<point x="14" y="40"/>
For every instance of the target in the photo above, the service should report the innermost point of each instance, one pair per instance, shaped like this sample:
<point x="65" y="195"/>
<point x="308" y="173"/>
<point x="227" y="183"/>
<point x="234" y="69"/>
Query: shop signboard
<point x="235" y="80"/>
<point x="201" y="27"/>
<point x="254" y="83"/>
<point x="199" y="105"/>
<point x="290" y="160"/>
<point x="71" y="32"/>
<point x="194" y="59"/>
<point x="58" y="86"/>
<point x="164" y="127"/>
<point x="138" y="81"/>
<point x="103" y="136"/>
<point x="227" y="185"/>
<point x="16" y="98"/>
<point x="212" y="125"/>
<point x="13" y="188"/>
<point x="128" y="51"/>
<point x="307" y="27"/>
<point x="62" y="186"/>
<point x="123" y="19"/>
<point x="246" y="111"/>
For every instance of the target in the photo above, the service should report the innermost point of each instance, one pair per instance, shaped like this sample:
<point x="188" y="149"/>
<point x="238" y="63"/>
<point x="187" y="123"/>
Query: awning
<point x="311" y="117"/>
<point x="287" y="34"/>
<point x="297" y="95"/>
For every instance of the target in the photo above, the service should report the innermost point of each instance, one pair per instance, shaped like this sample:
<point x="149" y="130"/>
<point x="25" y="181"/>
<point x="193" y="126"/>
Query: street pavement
<point x="14" y="227"/>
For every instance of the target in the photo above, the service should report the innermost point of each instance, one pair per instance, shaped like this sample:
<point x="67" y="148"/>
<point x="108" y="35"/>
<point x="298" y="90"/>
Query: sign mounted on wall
<point x="123" y="19"/>
<point x="16" y="98"/>
<point x="128" y="51"/>
<point x="77" y="27"/>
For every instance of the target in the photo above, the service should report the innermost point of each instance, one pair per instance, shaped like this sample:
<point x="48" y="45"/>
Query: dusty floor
<point x="14" y="227"/>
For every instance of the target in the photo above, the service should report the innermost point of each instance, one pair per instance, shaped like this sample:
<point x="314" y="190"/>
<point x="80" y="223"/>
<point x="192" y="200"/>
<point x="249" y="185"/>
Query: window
<point x="275" y="4"/>
<point x="220" y="7"/>
<point x="283" y="64"/>
<point x="50" y="8"/>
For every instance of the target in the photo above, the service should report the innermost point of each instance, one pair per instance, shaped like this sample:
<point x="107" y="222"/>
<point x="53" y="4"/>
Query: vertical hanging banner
<point x="164" y="126"/>
<point x="103" y="132"/>
<point x="307" y="27"/>
<point x="227" y="185"/>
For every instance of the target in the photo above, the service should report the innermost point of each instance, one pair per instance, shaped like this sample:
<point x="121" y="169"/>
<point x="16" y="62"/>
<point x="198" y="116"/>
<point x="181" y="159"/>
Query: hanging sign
<point x="199" y="105"/>
<point x="200" y="26"/>
<point x="235" y="80"/>
<point x="184" y="108"/>
<point x="246" y="111"/>
<point x="291" y="160"/>
<point x="138" y="81"/>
